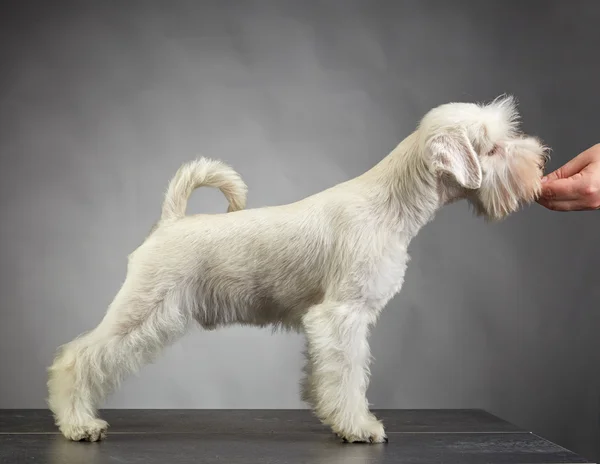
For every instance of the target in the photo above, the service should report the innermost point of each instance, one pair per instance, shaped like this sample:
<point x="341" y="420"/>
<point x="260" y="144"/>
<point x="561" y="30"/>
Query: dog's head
<point x="477" y="152"/>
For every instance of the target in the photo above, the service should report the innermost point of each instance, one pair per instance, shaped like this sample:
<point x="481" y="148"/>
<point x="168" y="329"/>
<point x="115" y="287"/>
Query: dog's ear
<point x="452" y="153"/>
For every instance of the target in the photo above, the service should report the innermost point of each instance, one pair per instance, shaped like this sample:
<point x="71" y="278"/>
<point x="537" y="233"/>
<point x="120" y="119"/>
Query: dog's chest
<point x="384" y="275"/>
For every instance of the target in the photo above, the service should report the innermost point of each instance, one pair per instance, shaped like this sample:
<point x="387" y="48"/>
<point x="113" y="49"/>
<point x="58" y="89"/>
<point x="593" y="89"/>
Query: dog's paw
<point x="94" y="430"/>
<point x="371" y="431"/>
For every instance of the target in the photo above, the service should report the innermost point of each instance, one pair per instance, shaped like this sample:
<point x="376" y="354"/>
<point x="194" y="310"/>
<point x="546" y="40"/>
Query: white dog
<point x="326" y="265"/>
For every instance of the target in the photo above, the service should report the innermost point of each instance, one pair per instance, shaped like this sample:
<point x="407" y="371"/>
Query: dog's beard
<point x="511" y="178"/>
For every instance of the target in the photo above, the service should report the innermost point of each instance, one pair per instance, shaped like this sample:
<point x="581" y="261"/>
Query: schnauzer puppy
<point x="325" y="266"/>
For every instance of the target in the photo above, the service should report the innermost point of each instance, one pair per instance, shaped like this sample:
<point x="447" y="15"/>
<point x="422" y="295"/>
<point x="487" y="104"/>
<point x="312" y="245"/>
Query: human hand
<point x="574" y="186"/>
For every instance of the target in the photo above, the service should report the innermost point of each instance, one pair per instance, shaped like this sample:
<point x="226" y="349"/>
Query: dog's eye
<point x="494" y="150"/>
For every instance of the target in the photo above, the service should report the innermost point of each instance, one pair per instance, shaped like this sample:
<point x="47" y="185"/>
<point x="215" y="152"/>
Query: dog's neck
<point x="405" y="188"/>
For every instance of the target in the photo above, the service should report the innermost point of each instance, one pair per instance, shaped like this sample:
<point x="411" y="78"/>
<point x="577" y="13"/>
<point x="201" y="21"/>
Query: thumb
<point x="572" y="167"/>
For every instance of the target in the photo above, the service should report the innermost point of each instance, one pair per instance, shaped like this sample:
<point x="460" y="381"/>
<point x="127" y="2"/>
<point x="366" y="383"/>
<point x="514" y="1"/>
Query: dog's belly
<point x="243" y="301"/>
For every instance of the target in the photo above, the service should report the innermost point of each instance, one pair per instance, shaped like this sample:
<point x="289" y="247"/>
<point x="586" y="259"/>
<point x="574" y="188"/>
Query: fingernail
<point x="544" y="179"/>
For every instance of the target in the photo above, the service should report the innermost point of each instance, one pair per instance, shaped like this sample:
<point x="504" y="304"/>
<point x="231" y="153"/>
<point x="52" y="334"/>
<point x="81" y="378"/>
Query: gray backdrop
<point x="101" y="102"/>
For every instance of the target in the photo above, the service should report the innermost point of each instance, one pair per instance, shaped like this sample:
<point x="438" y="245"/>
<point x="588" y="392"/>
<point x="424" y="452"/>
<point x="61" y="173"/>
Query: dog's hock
<point x="453" y="154"/>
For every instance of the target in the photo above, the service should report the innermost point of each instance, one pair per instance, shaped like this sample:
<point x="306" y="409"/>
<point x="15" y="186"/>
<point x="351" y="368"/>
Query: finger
<point x="569" y="169"/>
<point x="570" y="205"/>
<point x="579" y="203"/>
<point x="563" y="189"/>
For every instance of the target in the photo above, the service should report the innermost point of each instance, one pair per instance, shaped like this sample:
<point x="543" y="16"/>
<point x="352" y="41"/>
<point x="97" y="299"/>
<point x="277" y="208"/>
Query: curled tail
<point x="199" y="173"/>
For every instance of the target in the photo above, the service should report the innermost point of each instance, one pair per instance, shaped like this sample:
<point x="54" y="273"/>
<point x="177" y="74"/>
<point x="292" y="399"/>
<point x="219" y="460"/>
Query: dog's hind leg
<point x="134" y="331"/>
<point x="307" y="387"/>
<point x="338" y="375"/>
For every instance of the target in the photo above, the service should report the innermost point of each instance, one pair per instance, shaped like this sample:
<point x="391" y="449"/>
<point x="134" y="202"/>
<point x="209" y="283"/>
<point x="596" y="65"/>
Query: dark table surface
<point x="275" y="436"/>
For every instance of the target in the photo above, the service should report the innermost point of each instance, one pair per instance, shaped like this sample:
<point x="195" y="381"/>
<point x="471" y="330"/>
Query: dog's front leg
<point x="338" y="377"/>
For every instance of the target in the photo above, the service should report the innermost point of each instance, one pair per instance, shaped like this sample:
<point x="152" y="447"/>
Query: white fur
<point x="326" y="265"/>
